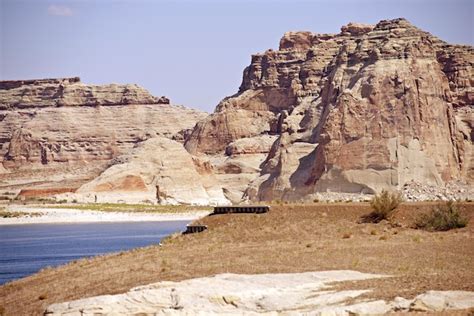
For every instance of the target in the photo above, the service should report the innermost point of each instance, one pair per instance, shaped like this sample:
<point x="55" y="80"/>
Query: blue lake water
<point x="25" y="249"/>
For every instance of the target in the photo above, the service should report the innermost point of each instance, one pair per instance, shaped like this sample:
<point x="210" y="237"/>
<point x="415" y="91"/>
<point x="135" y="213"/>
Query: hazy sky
<point x="191" y="51"/>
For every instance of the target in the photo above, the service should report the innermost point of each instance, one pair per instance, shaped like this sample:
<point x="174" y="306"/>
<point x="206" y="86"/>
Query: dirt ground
<point x="290" y="238"/>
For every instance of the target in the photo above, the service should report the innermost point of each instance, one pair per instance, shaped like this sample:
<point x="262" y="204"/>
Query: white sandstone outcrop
<point x="157" y="170"/>
<point x="305" y="293"/>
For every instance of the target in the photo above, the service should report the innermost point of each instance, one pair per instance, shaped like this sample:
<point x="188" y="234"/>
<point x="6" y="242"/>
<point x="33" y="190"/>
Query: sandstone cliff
<point x="369" y="108"/>
<point x="61" y="133"/>
<point x="158" y="170"/>
<point x="384" y="106"/>
<point x="70" y="92"/>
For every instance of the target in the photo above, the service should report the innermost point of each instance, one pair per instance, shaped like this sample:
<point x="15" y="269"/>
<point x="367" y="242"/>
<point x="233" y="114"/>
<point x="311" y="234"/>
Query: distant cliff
<point x="70" y="92"/>
<point x="372" y="107"/>
<point x="62" y="133"/>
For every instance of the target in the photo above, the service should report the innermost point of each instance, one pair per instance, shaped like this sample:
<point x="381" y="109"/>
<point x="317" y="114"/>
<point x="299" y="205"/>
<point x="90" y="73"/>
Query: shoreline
<point x="290" y="238"/>
<point x="71" y="216"/>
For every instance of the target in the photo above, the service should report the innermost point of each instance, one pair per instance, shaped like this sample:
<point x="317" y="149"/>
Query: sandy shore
<point x="66" y="215"/>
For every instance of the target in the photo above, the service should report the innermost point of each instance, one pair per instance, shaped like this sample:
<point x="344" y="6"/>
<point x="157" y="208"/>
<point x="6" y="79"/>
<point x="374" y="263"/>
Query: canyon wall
<point x="61" y="133"/>
<point x="372" y="107"/>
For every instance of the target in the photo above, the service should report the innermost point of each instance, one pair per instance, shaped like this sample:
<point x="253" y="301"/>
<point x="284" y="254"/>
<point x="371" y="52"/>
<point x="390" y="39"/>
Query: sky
<point x="193" y="52"/>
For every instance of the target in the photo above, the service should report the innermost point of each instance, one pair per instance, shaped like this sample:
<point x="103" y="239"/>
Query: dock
<point x="191" y="229"/>
<point x="256" y="209"/>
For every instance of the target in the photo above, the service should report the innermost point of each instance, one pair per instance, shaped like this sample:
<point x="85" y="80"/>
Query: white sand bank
<point x="68" y="215"/>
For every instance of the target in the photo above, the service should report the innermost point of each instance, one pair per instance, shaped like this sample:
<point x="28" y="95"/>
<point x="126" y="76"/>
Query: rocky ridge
<point x="61" y="133"/>
<point x="37" y="93"/>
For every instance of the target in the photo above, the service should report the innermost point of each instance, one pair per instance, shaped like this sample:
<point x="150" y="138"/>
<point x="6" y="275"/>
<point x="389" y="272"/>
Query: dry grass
<point x="8" y="214"/>
<point x="442" y="218"/>
<point x="290" y="238"/>
<point x="383" y="206"/>
<point x="147" y="208"/>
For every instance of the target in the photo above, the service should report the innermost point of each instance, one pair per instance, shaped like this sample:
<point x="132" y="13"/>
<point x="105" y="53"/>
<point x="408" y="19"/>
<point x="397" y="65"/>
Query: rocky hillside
<point x="371" y="107"/>
<point x="61" y="133"/>
<point x="385" y="106"/>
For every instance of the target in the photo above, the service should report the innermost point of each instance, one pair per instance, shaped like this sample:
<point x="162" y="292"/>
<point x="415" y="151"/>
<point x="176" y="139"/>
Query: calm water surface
<point x="25" y="249"/>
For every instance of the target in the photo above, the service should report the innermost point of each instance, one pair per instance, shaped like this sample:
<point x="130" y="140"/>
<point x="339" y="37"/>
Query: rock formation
<point x="22" y="94"/>
<point x="157" y="170"/>
<point x="372" y="107"/>
<point x="270" y="294"/>
<point x="61" y="133"/>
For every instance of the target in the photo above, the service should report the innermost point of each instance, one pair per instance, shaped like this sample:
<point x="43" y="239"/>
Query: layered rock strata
<point x="370" y="108"/>
<point x="38" y="93"/>
<point x="61" y="133"/>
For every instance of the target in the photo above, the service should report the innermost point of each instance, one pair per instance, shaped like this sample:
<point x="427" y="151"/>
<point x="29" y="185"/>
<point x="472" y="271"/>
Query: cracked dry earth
<point x="293" y="238"/>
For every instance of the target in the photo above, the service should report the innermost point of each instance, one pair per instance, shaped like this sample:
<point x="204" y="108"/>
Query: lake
<point x="25" y="249"/>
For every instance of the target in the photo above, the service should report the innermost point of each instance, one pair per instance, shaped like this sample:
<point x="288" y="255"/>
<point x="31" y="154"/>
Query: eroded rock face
<point x="157" y="170"/>
<point x="60" y="133"/>
<point x="371" y="108"/>
<point x="70" y="92"/>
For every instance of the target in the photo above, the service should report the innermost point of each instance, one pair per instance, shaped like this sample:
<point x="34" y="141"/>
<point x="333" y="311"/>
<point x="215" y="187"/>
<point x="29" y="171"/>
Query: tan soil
<point x="44" y="192"/>
<point x="128" y="183"/>
<point x="290" y="238"/>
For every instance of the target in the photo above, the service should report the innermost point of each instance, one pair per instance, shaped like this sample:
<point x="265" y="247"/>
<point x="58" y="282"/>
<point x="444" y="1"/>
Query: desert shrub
<point x="383" y="205"/>
<point x="442" y="218"/>
<point x="8" y="214"/>
<point x="347" y="236"/>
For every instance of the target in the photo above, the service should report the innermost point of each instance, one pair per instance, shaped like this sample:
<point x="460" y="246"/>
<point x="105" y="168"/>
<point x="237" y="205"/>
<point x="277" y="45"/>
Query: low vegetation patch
<point x="42" y="297"/>
<point x="8" y="214"/>
<point x="38" y="200"/>
<point x="442" y="218"/>
<point x="383" y="206"/>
